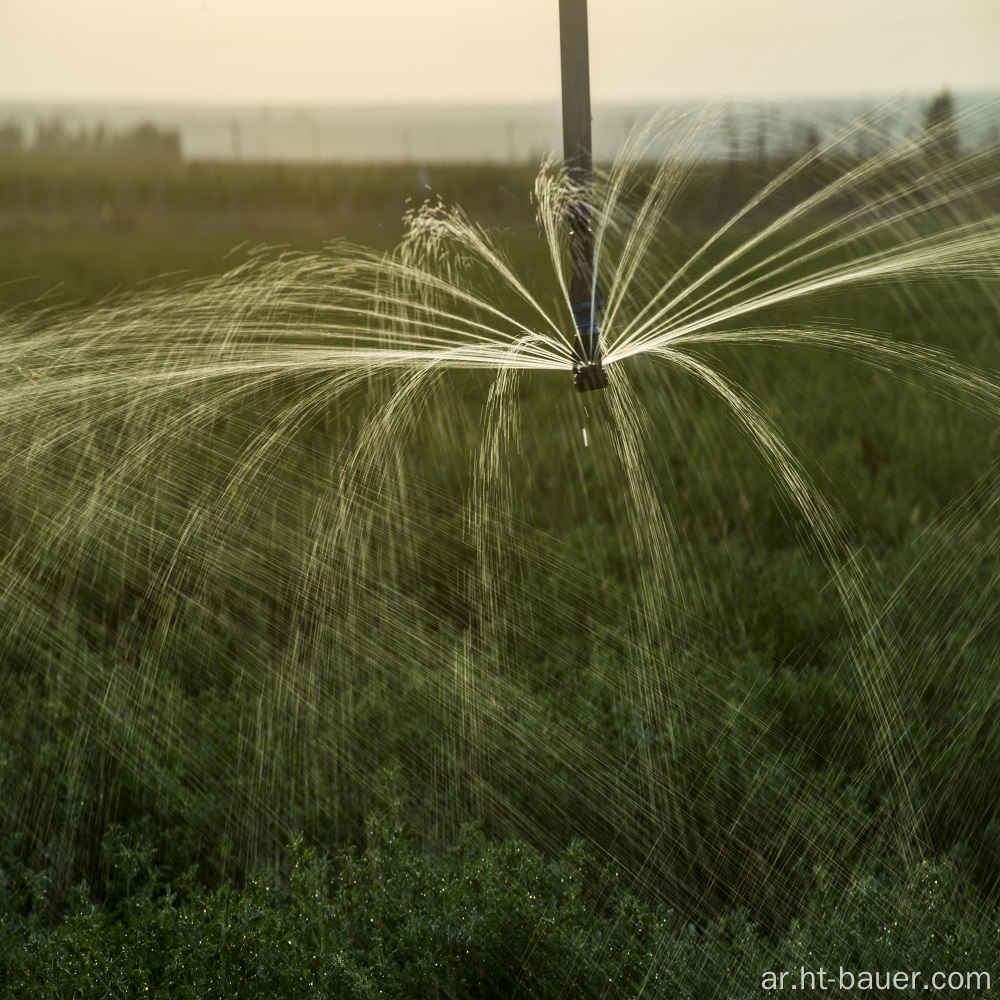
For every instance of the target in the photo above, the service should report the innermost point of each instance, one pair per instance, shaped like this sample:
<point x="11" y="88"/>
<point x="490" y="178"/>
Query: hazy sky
<point x="469" y="51"/>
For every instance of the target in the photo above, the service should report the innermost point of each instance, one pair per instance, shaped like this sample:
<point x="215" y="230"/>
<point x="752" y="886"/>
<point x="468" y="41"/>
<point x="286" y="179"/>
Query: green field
<point x="399" y="685"/>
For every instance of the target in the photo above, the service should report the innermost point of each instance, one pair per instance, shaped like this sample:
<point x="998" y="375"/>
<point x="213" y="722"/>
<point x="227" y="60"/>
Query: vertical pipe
<point x="586" y="299"/>
<point x="575" y="52"/>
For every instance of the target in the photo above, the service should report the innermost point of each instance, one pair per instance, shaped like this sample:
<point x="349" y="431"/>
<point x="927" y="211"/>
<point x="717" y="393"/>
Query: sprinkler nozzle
<point x="590" y="377"/>
<point x="588" y="368"/>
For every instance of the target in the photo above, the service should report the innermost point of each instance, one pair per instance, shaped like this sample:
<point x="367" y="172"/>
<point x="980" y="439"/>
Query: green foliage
<point x="756" y="788"/>
<point x="482" y="920"/>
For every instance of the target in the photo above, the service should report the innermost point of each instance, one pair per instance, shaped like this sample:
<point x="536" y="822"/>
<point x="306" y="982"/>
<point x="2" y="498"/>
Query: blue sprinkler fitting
<point x="587" y="301"/>
<point x="588" y="370"/>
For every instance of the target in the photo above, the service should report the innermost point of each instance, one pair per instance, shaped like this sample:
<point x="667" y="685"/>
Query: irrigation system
<point x="586" y="298"/>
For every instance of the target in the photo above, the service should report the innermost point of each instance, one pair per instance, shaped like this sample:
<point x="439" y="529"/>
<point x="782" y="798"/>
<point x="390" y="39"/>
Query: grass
<point x="171" y="729"/>
<point x="482" y="920"/>
<point x="78" y="230"/>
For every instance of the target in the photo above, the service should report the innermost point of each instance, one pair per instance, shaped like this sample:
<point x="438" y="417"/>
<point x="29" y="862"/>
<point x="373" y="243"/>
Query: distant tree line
<point x="940" y="139"/>
<point x="938" y="134"/>
<point x="144" y="141"/>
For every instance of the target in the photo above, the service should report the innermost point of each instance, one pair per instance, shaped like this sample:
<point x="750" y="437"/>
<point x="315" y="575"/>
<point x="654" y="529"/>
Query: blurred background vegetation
<point x="134" y="861"/>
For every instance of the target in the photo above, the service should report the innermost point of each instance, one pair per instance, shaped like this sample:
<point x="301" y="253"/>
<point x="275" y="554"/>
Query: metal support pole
<point x="586" y="298"/>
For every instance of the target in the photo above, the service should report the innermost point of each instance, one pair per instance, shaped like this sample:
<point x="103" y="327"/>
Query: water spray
<point x="586" y="298"/>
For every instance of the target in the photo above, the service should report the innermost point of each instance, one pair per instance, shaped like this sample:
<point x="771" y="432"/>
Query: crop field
<point x="346" y="651"/>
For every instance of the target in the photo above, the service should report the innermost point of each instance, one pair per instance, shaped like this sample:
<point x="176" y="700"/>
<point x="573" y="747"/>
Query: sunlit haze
<point x="454" y="51"/>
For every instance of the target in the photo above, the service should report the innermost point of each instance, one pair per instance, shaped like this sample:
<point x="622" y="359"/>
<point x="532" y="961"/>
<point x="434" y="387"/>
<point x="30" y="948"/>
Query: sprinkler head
<point x="588" y="368"/>
<point x="590" y="377"/>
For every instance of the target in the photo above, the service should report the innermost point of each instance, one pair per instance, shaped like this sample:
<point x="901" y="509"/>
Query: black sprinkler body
<point x="590" y="377"/>
<point x="586" y="298"/>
